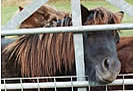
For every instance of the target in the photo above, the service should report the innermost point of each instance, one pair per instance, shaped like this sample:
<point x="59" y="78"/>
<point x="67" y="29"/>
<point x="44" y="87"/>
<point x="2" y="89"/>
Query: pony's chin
<point x="98" y="82"/>
<point x="101" y="81"/>
<point x="93" y="83"/>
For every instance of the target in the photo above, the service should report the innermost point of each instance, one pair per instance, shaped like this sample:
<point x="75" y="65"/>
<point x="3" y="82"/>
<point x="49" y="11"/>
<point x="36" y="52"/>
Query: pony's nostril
<point x="106" y="63"/>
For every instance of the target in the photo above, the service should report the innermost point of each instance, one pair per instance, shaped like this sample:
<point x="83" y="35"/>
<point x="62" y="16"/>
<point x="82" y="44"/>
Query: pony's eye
<point x="115" y="32"/>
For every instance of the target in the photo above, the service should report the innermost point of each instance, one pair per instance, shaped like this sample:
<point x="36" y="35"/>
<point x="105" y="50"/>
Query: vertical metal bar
<point x="89" y="88"/>
<point x="38" y="84"/>
<point x="106" y="87"/>
<point x="72" y="82"/>
<point x="78" y="42"/>
<point x="123" y="83"/>
<point x="5" y="85"/>
<point x="55" y="83"/>
<point x="21" y="84"/>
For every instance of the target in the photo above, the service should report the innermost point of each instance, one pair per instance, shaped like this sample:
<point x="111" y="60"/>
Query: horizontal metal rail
<point x="46" y="77"/>
<point x="49" y="77"/>
<point x="67" y="29"/>
<point x="60" y="84"/>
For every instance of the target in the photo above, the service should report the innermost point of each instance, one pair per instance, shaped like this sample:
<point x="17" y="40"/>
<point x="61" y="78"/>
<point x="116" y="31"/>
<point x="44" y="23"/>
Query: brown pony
<point x="53" y="54"/>
<point x="125" y="45"/>
<point x="121" y="47"/>
<point x="42" y="16"/>
<point x="125" y="54"/>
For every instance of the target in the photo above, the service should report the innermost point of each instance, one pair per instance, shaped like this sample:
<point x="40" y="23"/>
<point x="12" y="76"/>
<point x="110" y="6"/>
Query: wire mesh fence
<point x="122" y="83"/>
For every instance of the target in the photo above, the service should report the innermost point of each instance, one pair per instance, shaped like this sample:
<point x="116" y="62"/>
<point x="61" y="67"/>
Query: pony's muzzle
<point x="108" y="70"/>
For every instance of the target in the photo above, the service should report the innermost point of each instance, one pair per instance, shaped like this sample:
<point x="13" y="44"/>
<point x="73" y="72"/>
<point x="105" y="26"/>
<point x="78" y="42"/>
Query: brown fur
<point x="47" y="56"/>
<point x="42" y="16"/>
<point x="104" y="17"/>
<point x="43" y="57"/>
<point x="125" y="54"/>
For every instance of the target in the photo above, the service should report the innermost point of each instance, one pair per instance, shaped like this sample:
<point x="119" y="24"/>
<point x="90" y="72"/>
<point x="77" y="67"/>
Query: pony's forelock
<point x="103" y="16"/>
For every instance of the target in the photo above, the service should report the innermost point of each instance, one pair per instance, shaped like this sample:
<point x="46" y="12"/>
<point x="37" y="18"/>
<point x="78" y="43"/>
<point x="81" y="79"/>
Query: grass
<point x="7" y="13"/>
<point x="10" y="10"/>
<point x="130" y="1"/>
<point x="126" y="33"/>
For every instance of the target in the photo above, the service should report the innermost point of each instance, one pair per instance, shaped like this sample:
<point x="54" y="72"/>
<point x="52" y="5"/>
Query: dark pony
<point x="53" y="54"/>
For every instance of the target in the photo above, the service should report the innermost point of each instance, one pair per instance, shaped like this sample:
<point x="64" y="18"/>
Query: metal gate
<point x="19" y="83"/>
<point x="125" y="82"/>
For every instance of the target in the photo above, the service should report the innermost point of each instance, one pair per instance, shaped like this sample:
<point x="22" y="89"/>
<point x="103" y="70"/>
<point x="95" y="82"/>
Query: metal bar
<point x="78" y="42"/>
<point x="67" y="29"/>
<point x="4" y="85"/>
<point x="24" y="14"/>
<point x="21" y="84"/>
<point x="60" y="84"/>
<point x="89" y="88"/>
<point x="72" y="83"/>
<point x="123" y="83"/>
<point x="123" y="5"/>
<point x="129" y="74"/>
<point x="106" y="88"/>
<point x="50" y="77"/>
<point x="55" y="84"/>
<point x="38" y="84"/>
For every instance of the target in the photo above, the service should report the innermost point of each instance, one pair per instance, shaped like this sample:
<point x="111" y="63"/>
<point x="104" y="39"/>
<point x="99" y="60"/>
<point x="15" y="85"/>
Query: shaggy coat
<point x="51" y="53"/>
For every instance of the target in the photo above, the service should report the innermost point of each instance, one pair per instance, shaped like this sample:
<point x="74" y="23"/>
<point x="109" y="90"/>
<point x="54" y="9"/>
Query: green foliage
<point x="7" y="13"/>
<point x="130" y="1"/>
<point x="126" y="33"/>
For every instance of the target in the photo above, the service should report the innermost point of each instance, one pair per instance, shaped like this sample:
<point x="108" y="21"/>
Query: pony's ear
<point x="20" y="8"/>
<point x="120" y="15"/>
<point x="84" y="13"/>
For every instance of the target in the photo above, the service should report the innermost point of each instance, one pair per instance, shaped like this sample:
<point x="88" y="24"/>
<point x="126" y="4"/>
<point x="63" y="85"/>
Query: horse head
<point x="101" y="61"/>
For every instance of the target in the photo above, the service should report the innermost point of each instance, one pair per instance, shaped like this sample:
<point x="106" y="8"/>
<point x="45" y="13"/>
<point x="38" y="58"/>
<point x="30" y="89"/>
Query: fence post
<point x="78" y="42"/>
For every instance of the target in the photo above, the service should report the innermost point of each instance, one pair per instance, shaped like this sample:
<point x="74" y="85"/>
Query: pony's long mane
<point x="51" y="53"/>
